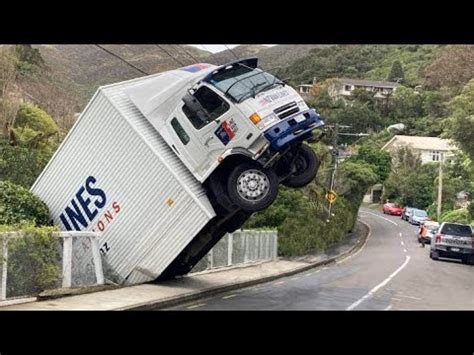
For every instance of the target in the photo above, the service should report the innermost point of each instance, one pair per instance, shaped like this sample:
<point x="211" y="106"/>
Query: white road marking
<point x="379" y="286"/>
<point x="402" y="243"/>
<point x="405" y="250"/>
<point x="196" y="305"/>
<point x="400" y="234"/>
<point x="413" y="298"/>
<point x="396" y="299"/>
<point x="376" y="215"/>
<point x="295" y="278"/>
<point x="388" y="308"/>
<point x="229" y="296"/>
<point x="279" y="283"/>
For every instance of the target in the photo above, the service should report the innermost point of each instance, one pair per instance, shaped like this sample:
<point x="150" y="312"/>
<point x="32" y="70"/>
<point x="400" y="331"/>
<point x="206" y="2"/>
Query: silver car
<point x="453" y="240"/>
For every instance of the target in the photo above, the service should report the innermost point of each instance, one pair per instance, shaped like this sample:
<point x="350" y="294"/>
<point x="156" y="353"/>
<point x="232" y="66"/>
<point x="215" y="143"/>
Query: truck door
<point x="217" y="124"/>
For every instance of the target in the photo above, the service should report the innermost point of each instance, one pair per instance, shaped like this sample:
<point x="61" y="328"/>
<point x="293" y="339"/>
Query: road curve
<point x="392" y="272"/>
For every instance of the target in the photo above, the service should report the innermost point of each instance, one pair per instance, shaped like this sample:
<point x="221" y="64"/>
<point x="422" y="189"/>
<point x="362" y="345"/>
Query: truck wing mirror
<point x="195" y="106"/>
<point x="192" y="103"/>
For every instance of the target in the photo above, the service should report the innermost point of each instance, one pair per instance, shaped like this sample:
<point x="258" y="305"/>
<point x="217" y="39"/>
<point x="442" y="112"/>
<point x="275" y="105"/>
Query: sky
<point x="214" y="48"/>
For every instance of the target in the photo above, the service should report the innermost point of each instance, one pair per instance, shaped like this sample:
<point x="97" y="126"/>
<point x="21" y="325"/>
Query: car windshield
<point x="420" y="213"/>
<point x="432" y="228"/>
<point x="241" y="82"/>
<point x="459" y="230"/>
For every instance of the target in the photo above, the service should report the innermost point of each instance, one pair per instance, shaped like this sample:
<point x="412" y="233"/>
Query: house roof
<point x="421" y="143"/>
<point x="380" y="84"/>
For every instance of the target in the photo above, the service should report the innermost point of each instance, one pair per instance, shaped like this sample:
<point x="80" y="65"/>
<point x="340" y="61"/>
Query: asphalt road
<point x="391" y="272"/>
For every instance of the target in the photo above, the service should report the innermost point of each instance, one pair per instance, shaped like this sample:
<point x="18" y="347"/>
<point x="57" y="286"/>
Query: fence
<point x="19" y="272"/>
<point x="240" y="247"/>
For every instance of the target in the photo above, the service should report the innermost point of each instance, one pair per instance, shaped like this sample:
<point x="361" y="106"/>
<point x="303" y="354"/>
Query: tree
<point x="453" y="67"/>
<point x="26" y="53"/>
<point x="8" y="105"/>
<point x="380" y="160"/>
<point x="461" y="122"/>
<point x="396" y="73"/>
<point x="29" y="147"/>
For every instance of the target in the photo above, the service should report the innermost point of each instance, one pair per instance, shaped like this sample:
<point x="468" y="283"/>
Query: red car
<point x="392" y="208"/>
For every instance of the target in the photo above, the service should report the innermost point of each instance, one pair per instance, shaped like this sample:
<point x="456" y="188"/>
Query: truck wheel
<point x="306" y="166"/>
<point x="252" y="187"/>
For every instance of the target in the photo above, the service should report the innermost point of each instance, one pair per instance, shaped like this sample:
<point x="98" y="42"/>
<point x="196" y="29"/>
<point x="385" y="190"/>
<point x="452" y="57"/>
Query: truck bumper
<point x="296" y="128"/>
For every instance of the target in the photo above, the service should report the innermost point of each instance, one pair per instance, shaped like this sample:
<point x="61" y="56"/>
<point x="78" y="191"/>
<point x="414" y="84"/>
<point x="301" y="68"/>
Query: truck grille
<point x="286" y="110"/>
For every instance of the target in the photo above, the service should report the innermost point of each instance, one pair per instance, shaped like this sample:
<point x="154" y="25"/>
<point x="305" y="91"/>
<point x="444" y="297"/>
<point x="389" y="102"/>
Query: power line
<point x="175" y="59"/>
<point x="189" y="54"/>
<point x="212" y="54"/>
<point x="123" y="60"/>
<point x="179" y="51"/>
<point x="235" y="55"/>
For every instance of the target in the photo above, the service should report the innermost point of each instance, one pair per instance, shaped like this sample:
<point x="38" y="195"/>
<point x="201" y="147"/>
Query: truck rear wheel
<point x="305" y="166"/>
<point x="252" y="187"/>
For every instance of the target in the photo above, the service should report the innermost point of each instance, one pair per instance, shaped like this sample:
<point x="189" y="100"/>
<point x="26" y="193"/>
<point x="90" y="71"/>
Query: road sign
<point x="331" y="196"/>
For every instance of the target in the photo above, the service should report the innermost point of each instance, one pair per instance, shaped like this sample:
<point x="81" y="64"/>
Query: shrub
<point x="18" y="205"/>
<point x="456" y="216"/>
<point x="30" y="116"/>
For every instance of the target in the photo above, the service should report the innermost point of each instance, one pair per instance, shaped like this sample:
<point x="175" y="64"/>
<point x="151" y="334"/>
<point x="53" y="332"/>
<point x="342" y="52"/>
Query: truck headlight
<point x="268" y="120"/>
<point x="302" y="105"/>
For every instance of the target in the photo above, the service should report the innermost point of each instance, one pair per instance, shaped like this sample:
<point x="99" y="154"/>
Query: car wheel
<point x="434" y="255"/>
<point x="252" y="187"/>
<point x="306" y="166"/>
<point x="470" y="259"/>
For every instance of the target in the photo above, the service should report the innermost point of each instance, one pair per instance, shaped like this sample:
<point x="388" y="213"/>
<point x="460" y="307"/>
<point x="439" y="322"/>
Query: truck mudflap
<point x="296" y="128"/>
<point x="204" y="242"/>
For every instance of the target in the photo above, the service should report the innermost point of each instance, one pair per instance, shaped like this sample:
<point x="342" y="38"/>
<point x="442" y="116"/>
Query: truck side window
<point x="180" y="132"/>
<point x="213" y="105"/>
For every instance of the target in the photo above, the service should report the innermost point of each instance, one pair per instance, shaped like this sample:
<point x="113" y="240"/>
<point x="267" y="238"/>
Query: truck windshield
<point x="240" y="82"/>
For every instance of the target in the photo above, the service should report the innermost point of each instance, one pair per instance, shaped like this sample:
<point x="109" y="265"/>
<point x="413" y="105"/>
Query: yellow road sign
<point x="331" y="196"/>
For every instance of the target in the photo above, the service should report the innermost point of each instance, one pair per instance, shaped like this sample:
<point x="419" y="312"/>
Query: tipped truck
<point x="166" y="164"/>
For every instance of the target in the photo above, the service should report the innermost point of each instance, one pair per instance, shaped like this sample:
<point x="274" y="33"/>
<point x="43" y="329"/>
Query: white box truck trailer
<point x="163" y="166"/>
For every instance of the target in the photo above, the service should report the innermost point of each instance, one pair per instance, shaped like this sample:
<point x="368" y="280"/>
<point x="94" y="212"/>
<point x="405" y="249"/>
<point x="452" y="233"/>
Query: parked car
<point x="406" y="213"/>
<point x="392" y="208"/>
<point x="417" y="216"/>
<point x="427" y="231"/>
<point x="453" y="240"/>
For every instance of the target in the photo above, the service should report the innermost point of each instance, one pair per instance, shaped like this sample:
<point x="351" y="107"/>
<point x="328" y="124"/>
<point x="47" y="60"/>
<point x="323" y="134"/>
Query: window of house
<point x="347" y="87"/>
<point x="435" y="155"/>
<point x="213" y="106"/>
<point x="180" y="132"/>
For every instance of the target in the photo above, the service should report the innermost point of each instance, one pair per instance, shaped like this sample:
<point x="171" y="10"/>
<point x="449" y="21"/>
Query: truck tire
<point x="252" y="187"/>
<point x="306" y="164"/>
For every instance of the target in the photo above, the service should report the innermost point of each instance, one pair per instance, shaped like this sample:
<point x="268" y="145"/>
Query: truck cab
<point x="238" y="129"/>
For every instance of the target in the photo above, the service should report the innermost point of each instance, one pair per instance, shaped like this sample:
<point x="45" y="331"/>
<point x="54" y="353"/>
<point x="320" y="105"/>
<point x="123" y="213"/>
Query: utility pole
<point x="335" y="157"/>
<point x="440" y="186"/>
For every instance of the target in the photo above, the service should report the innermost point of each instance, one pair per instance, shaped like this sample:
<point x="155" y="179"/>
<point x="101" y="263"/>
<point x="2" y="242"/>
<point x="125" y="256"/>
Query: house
<point x="306" y="89"/>
<point x="343" y="88"/>
<point x="430" y="149"/>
